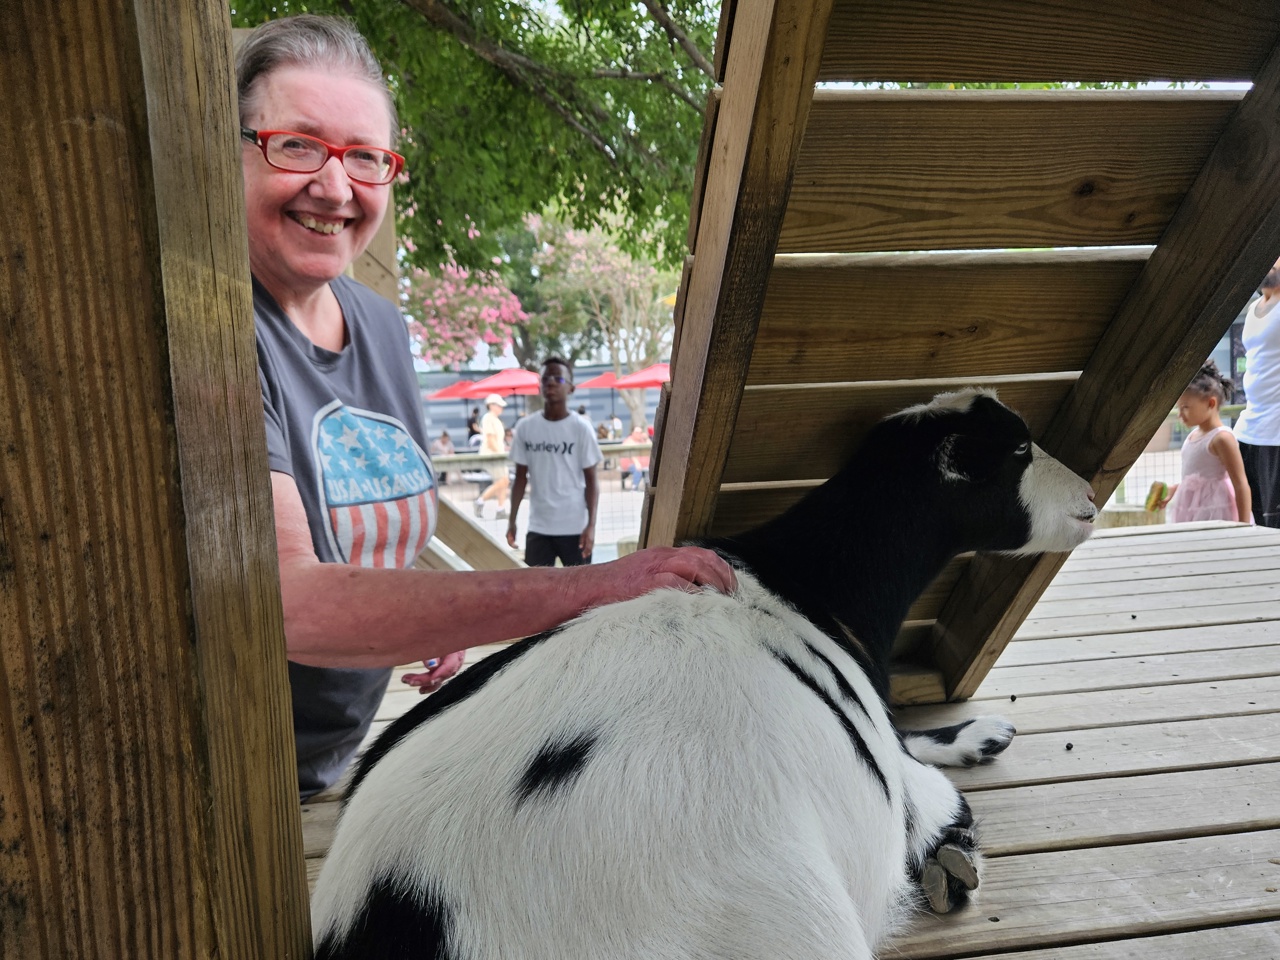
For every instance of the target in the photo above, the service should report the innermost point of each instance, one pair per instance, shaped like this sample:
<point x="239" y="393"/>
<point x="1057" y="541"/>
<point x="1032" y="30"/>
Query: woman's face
<point x="288" y="213"/>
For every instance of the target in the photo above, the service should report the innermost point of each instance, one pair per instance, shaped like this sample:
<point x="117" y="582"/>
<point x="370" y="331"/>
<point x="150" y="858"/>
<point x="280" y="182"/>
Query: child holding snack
<point x="1213" y="483"/>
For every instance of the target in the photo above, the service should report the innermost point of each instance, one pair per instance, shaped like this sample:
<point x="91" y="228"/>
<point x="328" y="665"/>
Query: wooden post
<point x="148" y="804"/>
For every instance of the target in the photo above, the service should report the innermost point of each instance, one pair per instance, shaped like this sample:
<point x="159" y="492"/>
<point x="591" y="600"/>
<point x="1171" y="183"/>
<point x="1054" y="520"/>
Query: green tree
<point x="585" y="273"/>
<point x="546" y="332"/>
<point x="593" y="107"/>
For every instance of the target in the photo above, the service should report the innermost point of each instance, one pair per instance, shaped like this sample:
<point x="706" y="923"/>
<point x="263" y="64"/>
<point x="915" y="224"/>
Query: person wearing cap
<point x="493" y="440"/>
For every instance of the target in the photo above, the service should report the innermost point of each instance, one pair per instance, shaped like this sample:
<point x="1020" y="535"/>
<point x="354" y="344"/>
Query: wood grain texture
<point x="146" y="763"/>
<point x="1216" y="249"/>
<point x="1250" y="941"/>
<point x="808" y="432"/>
<point x="1228" y="636"/>
<point x="935" y="315"/>
<point x="1004" y="168"/>
<point x="376" y="268"/>
<point x="1090" y="706"/>
<point x="1162" y="887"/>
<point x="472" y="542"/>
<point x="1047" y="40"/>
<point x="1101" y="813"/>
<point x="768" y="83"/>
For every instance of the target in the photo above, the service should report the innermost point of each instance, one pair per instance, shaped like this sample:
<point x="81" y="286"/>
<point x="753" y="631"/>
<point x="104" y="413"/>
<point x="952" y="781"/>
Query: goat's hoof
<point x="933" y="880"/>
<point x="960" y="863"/>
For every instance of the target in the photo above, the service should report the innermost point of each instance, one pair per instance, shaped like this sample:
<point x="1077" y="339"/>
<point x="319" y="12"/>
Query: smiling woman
<point x="355" y="494"/>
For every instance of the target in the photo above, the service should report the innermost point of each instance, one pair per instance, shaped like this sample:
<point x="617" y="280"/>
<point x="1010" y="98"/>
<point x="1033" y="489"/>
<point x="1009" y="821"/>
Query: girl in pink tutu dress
<point x="1213" y="483"/>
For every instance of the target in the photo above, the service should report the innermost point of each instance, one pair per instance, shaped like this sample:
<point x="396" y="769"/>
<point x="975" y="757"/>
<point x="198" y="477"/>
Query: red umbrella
<point x="513" y="381"/>
<point x="654" y="376"/>
<point x="454" y="391"/>
<point x="601" y="382"/>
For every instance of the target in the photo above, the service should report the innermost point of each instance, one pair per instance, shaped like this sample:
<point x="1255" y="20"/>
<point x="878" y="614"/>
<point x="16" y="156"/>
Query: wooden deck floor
<point x="1137" y="813"/>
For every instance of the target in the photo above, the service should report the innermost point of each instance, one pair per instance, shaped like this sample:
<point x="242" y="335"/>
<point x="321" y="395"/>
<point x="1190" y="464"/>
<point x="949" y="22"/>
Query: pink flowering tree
<point x="451" y="310"/>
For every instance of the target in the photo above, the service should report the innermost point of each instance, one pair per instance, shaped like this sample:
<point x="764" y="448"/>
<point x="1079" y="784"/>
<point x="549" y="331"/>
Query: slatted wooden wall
<point x="148" y="797"/>
<point x="1081" y="250"/>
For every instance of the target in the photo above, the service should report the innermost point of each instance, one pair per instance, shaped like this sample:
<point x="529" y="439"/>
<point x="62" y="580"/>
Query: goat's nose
<point x="1093" y="497"/>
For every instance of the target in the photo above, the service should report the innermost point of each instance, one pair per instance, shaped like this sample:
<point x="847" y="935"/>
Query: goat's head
<point x="986" y="481"/>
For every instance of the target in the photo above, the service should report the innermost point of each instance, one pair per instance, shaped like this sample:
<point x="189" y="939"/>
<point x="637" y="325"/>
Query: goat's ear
<point x="966" y="458"/>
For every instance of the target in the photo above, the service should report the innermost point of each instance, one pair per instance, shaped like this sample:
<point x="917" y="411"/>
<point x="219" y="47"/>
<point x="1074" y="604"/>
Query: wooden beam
<point x="955" y="41"/>
<point x="826" y="422"/>
<point x="1005" y="168"/>
<point x="472" y="542"/>
<point x="769" y="74"/>
<point x="146" y="755"/>
<point x="867" y="316"/>
<point x="1210" y="260"/>
<point x="376" y="268"/>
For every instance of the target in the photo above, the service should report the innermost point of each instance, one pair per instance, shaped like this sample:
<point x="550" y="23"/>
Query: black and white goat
<point x="699" y="775"/>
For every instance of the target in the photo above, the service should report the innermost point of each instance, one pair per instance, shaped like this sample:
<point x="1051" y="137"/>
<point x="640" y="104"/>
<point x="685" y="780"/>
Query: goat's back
<point x="650" y="781"/>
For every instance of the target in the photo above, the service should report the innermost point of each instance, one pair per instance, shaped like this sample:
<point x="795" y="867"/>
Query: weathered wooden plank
<point x="1075" y="895"/>
<point x="953" y="41"/>
<point x="768" y="83"/>
<point x="1005" y="168"/>
<point x="319" y="823"/>
<point x="1060" y="595"/>
<point x="146" y="759"/>
<point x="1101" y="813"/>
<point x="1205" y="599"/>
<point x="1133" y="671"/>
<point x="1216" y="248"/>
<point x="1251" y="941"/>
<point x="472" y="542"/>
<point x="1158" y="619"/>
<point x="1174" y="540"/>
<point x="1222" y="556"/>
<point x="825" y="423"/>
<point x="1083" y="709"/>
<point x="709" y="113"/>
<point x="1125" y="751"/>
<point x="876" y="316"/>
<point x="376" y="268"/>
<point x="1053" y="650"/>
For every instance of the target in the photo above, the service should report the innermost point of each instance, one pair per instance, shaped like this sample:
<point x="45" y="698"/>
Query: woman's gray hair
<point x="307" y="40"/>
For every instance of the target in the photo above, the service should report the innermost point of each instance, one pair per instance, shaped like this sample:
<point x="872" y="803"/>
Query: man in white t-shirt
<point x="1258" y="428"/>
<point x="555" y="453"/>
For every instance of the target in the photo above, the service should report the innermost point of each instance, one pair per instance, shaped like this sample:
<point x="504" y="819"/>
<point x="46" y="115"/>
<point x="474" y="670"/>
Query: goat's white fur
<point x="1060" y="505"/>
<point x="724" y="813"/>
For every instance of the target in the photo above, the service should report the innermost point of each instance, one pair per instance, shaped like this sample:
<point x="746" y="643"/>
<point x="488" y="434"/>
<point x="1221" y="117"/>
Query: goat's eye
<point x="1022" y="449"/>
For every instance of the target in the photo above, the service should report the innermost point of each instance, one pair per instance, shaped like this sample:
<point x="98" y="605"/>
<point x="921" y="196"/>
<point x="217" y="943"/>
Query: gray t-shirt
<point x="556" y="453"/>
<point x="348" y="428"/>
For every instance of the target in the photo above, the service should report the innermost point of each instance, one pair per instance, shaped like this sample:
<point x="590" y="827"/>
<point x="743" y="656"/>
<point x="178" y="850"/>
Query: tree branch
<point x="523" y="72"/>
<point x="659" y="78"/>
<point x="680" y="37"/>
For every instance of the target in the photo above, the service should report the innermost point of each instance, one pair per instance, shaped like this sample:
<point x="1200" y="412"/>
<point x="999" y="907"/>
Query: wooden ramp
<point x="1138" y="809"/>
<point x="856" y="250"/>
<point x="1156" y="835"/>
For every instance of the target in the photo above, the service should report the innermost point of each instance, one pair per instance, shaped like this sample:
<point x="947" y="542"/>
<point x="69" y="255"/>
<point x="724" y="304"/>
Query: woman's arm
<point x="1226" y="448"/>
<point x="337" y="615"/>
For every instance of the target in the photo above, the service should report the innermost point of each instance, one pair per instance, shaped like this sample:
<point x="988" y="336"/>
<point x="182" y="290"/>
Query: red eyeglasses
<point x="299" y="153"/>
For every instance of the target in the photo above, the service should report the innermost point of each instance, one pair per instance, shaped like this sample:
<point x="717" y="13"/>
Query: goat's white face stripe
<point x="1057" y="501"/>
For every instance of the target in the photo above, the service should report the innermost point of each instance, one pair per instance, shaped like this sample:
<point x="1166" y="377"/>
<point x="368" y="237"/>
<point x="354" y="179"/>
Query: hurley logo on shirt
<point x="542" y="446"/>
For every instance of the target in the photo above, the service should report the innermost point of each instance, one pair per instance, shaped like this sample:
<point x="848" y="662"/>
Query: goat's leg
<point x="942" y="854"/>
<point x="964" y="744"/>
